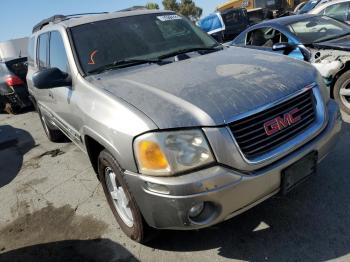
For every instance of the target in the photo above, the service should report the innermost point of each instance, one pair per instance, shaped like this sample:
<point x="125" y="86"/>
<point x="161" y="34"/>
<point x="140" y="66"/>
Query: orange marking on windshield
<point x="92" y="57"/>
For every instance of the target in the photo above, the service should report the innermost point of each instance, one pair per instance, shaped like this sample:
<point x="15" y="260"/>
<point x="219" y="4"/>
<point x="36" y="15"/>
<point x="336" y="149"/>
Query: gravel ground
<point x="52" y="208"/>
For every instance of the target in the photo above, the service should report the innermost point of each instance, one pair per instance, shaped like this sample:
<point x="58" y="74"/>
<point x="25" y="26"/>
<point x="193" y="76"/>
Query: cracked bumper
<point x="228" y="191"/>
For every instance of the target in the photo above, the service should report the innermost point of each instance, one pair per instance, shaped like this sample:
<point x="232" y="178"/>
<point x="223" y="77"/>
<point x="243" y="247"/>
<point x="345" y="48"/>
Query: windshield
<point x="318" y="29"/>
<point x="308" y="6"/>
<point x="136" y="37"/>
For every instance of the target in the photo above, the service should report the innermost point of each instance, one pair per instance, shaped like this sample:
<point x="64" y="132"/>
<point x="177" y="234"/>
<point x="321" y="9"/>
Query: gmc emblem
<point x="277" y="124"/>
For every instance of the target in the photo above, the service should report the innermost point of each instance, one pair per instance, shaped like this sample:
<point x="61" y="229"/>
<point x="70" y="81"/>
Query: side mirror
<point x="284" y="46"/>
<point x="287" y="48"/>
<point x="50" y="78"/>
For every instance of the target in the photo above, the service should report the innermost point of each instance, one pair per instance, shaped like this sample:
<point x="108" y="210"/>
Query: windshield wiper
<point x="123" y="63"/>
<point x="194" y="49"/>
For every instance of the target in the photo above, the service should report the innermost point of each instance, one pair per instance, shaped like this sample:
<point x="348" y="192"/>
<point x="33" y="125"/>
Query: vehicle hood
<point x="208" y="90"/>
<point x="342" y="43"/>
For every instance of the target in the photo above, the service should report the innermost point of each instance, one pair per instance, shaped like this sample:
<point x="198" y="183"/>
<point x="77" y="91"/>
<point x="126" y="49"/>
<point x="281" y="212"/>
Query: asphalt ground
<point x="52" y="208"/>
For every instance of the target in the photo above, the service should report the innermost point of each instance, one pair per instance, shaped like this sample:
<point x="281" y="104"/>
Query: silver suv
<point x="182" y="132"/>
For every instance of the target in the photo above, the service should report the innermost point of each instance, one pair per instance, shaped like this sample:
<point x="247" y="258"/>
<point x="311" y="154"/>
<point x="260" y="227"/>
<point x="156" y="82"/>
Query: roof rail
<point x="60" y="18"/>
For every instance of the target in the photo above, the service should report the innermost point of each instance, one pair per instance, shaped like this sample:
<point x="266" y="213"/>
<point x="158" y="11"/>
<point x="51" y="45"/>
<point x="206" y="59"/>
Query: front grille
<point x="250" y="132"/>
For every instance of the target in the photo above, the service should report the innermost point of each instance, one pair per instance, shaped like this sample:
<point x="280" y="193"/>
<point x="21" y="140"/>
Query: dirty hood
<point x="209" y="90"/>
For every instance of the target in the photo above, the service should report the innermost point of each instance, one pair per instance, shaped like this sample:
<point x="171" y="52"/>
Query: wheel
<point x="342" y="92"/>
<point x="52" y="133"/>
<point x="121" y="202"/>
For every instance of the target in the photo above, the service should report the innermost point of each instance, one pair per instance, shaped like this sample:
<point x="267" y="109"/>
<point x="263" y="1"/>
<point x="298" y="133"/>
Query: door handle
<point x="50" y="94"/>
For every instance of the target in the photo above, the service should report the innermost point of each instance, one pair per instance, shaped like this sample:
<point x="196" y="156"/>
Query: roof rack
<point x="60" y="18"/>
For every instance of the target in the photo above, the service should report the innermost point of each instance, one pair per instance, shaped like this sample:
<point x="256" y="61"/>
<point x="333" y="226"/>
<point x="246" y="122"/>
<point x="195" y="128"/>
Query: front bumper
<point x="228" y="192"/>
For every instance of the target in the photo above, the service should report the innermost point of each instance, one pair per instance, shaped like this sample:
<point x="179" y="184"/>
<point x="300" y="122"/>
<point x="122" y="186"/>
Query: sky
<point x="19" y="16"/>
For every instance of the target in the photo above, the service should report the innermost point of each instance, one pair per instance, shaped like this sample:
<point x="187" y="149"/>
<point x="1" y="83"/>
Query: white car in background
<point x="305" y="7"/>
<point x="338" y="9"/>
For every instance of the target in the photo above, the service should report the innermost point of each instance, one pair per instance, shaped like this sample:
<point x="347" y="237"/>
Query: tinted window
<point x="231" y="18"/>
<point x="58" y="56"/>
<point x="338" y="11"/>
<point x="31" y="51"/>
<point x="135" y="37"/>
<point x="42" y="53"/>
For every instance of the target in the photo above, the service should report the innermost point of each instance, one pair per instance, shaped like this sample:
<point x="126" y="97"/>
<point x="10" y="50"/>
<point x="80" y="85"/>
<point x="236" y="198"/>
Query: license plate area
<point x="298" y="172"/>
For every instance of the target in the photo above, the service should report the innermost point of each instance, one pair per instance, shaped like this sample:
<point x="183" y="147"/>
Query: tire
<point x="341" y="87"/>
<point x="53" y="134"/>
<point x="129" y="218"/>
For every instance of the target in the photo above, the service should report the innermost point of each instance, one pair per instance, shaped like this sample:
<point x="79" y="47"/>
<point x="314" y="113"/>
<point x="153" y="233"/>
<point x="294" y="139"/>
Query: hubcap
<point x="345" y="93"/>
<point x="120" y="200"/>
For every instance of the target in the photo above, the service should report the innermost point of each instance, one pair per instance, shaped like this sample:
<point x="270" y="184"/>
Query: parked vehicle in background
<point x="14" y="94"/>
<point x="310" y="5"/>
<point x="272" y="5"/>
<point x="320" y="40"/>
<point x="299" y="6"/>
<point x="182" y="132"/>
<point x="225" y="26"/>
<point x="338" y="9"/>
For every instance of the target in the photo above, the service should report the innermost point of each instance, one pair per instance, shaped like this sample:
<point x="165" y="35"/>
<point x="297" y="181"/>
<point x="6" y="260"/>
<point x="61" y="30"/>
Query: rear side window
<point x="42" y="50"/>
<point x="231" y="18"/>
<point x="31" y="51"/>
<point x="58" y="56"/>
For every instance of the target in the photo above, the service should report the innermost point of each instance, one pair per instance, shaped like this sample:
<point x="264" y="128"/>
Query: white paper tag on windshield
<point x="169" y="17"/>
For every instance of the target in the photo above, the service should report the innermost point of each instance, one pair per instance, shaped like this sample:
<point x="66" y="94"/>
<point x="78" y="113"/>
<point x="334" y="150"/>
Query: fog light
<point x="196" y="210"/>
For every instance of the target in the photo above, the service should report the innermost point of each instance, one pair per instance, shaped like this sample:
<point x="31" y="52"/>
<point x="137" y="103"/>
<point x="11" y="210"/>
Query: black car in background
<point x="14" y="94"/>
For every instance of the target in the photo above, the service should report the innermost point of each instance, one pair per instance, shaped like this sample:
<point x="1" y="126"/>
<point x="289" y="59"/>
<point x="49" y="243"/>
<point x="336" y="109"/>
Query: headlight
<point x="324" y="89"/>
<point x="168" y="153"/>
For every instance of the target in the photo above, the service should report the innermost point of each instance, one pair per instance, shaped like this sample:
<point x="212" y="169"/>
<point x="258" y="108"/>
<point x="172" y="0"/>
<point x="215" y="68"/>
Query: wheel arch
<point x="95" y="144"/>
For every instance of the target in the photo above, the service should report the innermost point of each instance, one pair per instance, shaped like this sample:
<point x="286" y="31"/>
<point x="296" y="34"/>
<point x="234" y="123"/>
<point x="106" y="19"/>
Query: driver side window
<point x="265" y="37"/>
